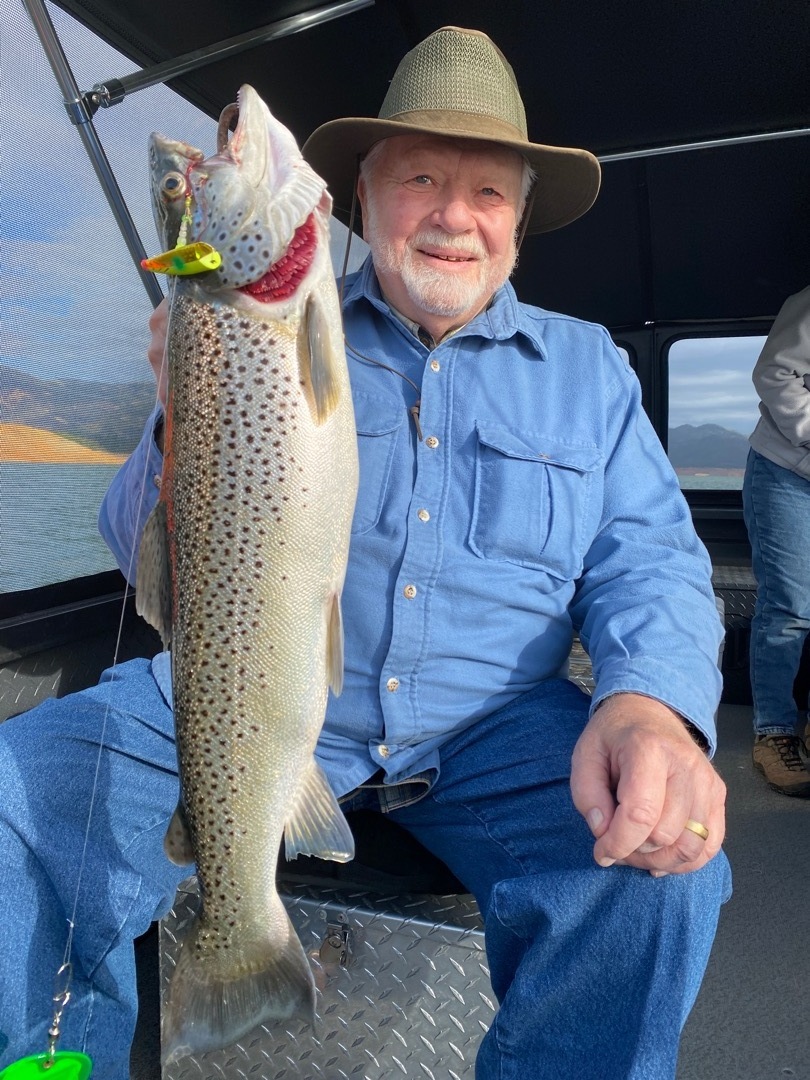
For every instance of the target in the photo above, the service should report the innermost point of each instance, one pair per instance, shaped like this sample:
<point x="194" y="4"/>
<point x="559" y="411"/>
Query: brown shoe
<point x="779" y="758"/>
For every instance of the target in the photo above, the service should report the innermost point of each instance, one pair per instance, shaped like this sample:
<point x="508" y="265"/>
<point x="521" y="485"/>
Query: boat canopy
<point x="716" y="231"/>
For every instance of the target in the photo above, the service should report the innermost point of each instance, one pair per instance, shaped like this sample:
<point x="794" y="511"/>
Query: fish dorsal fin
<point x="177" y="843"/>
<point x="320" y="367"/>
<point x="316" y="825"/>
<point x="153" y="582"/>
<point x="334" y="646"/>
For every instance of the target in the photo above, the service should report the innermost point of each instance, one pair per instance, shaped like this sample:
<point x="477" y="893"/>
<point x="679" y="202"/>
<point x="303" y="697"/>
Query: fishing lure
<point x="62" y="1065"/>
<point x="188" y="259"/>
<point x="184" y="259"/>
<point x="53" y="1064"/>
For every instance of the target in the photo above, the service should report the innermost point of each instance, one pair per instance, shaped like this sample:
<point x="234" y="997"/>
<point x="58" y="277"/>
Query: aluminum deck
<point x="751" y="1020"/>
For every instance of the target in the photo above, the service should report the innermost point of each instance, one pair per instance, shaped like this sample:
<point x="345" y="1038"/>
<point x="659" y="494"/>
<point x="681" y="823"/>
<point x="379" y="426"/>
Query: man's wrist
<point x="696" y="734"/>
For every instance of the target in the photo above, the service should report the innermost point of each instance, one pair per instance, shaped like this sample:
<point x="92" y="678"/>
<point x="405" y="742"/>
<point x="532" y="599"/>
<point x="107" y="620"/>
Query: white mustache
<point x="470" y="247"/>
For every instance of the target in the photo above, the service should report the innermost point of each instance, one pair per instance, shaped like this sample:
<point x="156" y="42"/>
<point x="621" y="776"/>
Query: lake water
<point x="711" y="480"/>
<point x="48" y="523"/>
<point x="49" y="513"/>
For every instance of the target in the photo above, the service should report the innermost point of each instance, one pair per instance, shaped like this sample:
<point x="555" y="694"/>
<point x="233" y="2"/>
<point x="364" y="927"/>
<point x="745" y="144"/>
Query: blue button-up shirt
<point x="537" y="500"/>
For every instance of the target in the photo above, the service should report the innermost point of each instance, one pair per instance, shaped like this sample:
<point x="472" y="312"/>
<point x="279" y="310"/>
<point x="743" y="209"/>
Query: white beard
<point x="432" y="289"/>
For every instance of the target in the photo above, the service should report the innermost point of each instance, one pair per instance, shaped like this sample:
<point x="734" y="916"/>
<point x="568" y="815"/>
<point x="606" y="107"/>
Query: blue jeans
<point x="595" y="969"/>
<point x="776" y="505"/>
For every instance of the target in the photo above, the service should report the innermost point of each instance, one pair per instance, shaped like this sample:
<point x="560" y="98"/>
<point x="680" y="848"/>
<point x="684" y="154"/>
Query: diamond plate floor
<point x="751" y="1020"/>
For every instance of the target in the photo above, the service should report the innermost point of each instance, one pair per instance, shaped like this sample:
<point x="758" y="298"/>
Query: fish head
<point x="170" y="163"/>
<point x="260" y="204"/>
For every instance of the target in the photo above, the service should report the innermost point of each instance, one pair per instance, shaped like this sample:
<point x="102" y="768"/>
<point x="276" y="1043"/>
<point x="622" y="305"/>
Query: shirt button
<point x="384" y="751"/>
<point x="392" y="685"/>
<point x="156" y="480"/>
<point x="435" y="365"/>
<point x="409" y="591"/>
<point x="423" y="515"/>
<point x="432" y="442"/>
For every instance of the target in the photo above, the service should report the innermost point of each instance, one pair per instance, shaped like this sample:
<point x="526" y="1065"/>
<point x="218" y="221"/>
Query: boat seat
<point x="387" y="860"/>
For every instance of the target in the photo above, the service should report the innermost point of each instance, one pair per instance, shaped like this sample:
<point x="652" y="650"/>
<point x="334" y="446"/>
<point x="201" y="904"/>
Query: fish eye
<point x="173" y="185"/>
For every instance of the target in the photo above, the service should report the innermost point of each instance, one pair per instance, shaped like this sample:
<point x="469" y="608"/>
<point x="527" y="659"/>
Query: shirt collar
<point x="501" y="320"/>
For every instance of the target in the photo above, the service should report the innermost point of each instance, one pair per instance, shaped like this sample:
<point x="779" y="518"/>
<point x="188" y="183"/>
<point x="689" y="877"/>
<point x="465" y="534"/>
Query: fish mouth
<point x="281" y="280"/>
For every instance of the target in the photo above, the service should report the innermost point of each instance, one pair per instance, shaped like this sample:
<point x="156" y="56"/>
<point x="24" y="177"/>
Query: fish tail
<point x="209" y="1007"/>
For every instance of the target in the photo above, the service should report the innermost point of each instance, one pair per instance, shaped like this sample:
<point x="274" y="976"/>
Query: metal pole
<point x="111" y="91"/>
<point x="80" y="116"/>
<point x="706" y="144"/>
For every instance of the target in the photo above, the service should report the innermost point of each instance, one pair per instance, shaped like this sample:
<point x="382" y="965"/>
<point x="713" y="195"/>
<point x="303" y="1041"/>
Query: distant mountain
<point x="110" y="416"/>
<point x="23" y="444"/>
<point x="105" y="416"/>
<point x="707" y="446"/>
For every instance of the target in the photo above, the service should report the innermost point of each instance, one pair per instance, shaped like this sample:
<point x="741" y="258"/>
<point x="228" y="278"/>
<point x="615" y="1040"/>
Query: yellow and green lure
<point x="184" y="258"/>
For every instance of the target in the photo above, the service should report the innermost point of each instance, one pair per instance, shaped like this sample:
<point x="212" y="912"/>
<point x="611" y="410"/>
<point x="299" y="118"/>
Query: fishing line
<point x="352" y="219"/>
<point x="413" y="409"/>
<point x="519" y="237"/>
<point x="73" y="1064"/>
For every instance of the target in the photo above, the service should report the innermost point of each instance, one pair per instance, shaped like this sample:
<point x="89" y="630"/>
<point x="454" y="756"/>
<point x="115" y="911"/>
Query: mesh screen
<point x="75" y="385"/>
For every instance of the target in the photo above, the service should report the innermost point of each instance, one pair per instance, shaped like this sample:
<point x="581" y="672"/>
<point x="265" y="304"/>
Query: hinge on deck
<point x="336" y="945"/>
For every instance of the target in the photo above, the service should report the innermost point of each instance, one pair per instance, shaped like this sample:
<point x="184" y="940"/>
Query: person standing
<point x="776" y="506"/>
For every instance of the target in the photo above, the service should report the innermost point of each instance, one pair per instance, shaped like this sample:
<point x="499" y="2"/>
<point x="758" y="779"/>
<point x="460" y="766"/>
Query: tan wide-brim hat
<point x="458" y="83"/>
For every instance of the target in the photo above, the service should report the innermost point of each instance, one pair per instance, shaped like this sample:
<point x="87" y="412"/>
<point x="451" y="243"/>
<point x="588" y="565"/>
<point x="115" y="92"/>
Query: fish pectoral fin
<point x="318" y="361"/>
<point x="153" y="582"/>
<point x="334" y="646"/>
<point x="177" y="843"/>
<point x="316" y="825"/>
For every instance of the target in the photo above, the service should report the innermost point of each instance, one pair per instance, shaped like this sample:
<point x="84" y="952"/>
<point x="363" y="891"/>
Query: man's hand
<point x="156" y="352"/>
<point x="637" y="777"/>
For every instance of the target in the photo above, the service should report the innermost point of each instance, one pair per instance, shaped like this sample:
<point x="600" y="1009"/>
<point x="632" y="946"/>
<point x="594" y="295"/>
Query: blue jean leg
<point x="595" y="969"/>
<point x="776" y="505"/>
<point x="48" y="761"/>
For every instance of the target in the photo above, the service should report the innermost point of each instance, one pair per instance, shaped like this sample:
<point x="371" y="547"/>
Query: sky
<point x="710" y="382"/>
<point x="72" y="303"/>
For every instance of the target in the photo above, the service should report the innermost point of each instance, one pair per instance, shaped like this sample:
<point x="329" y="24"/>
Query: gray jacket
<point x="782" y="379"/>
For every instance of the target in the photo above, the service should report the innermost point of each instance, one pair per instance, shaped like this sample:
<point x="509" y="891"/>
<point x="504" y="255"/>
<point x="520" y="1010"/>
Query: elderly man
<point x="527" y="495"/>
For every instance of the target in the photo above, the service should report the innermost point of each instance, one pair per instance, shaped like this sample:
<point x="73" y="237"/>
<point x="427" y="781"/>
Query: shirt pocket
<point x="531" y="499"/>
<point x="378" y="421"/>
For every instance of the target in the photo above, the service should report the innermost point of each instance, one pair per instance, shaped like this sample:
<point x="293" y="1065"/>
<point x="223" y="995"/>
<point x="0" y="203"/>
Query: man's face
<point x="440" y="217"/>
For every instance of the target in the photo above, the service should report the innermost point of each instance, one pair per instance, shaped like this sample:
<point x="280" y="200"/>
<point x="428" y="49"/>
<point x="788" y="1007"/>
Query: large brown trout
<point x="242" y="562"/>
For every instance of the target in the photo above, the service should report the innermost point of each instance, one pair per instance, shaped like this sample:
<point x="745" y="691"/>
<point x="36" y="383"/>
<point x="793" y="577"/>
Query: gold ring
<point x="697" y="829"/>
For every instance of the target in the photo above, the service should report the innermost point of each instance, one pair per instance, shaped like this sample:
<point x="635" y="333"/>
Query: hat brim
<point x="567" y="178"/>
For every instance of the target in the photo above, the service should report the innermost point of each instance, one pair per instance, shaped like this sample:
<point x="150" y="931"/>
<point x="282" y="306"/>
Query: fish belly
<point x="259" y="498"/>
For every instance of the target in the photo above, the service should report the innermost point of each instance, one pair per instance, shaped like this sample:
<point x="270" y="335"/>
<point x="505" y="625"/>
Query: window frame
<point x="717" y="513"/>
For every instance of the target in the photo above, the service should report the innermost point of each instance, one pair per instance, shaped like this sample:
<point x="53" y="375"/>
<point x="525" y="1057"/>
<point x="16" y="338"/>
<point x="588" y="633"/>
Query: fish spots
<point x="251" y="459"/>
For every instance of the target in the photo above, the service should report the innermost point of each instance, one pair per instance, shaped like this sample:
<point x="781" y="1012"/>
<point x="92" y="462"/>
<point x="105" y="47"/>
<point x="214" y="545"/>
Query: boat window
<point x="75" y="385"/>
<point x="713" y="408"/>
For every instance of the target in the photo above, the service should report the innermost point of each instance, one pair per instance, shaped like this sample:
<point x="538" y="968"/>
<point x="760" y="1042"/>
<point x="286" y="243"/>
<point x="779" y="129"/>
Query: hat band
<point x="454" y="123"/>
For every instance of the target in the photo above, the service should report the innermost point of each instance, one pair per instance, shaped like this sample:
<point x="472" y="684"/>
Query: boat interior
<point x="700" y="116"/>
